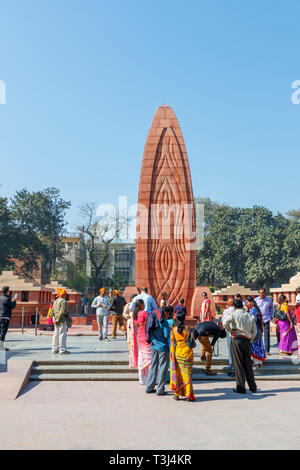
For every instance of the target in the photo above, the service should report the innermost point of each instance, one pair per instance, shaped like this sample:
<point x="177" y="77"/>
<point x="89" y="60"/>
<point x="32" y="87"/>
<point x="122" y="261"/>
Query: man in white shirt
<point x="242" y="328"/>
<point x="150" y="304"/>
<point x="102" y="305"/>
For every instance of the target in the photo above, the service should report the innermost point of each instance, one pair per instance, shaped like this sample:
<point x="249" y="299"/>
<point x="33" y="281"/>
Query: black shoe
<point x="209" y="372"/>
<point x="6" y="349"/>
<point x="255" y="391"/>
<point x="161" y="394"/>
<point x="151" y="391"/>
<point x="239" y="391"/>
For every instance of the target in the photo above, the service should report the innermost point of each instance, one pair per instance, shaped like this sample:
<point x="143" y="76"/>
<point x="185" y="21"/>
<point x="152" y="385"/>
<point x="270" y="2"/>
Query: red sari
<point x="140" y="350"/>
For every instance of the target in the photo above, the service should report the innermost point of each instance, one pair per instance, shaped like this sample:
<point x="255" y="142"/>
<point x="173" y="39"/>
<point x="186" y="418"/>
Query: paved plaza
<point x="28" y="346"/>
<point x="120" y="415"/>
<point x="106" y="415"/>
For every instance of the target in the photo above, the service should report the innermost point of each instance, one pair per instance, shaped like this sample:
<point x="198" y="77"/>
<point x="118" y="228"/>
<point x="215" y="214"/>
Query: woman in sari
<point x="181" y="358"/>
<point x="297" y="309"/>
<point x="258" y="351"/>
<point x="140" y="350"/>
<point x="288" y="337"/>
<point x="127" y="314"/>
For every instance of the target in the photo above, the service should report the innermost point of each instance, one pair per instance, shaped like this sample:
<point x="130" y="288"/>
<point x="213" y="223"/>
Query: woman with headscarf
<point x="288" y="337"/>
<point x="140" y="350"/>
<point x="181" y="358"/>
<point x="127" y="314"/>
<point x="258" y="352"/>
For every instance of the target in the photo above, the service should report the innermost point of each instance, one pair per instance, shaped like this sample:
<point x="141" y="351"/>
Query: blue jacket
<point x="158" y="331"/>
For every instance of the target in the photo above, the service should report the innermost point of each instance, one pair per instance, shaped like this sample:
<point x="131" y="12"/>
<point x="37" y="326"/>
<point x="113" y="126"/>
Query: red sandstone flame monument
<point x="165" y="244"/>
<point x="166" y="228"/>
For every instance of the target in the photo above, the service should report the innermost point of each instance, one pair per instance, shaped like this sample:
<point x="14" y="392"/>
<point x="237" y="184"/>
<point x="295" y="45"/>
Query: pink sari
<point x="140" y="350"/>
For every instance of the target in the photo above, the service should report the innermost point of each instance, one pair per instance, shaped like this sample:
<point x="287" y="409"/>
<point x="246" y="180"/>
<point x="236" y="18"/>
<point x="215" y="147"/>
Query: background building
<point x="121" y="264"/>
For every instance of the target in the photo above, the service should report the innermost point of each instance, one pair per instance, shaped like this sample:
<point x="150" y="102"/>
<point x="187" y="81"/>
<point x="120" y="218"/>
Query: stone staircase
<point x="70" y="370"/>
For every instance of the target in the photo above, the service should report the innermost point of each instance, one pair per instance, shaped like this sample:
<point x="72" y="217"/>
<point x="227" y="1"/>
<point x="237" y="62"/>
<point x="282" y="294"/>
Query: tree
<point x="210" y="208"/>
<point x="15" y="243"/>
<point x="40" y="216"/>
<point x="76" y="277"/>
<point x="8" y="234"/>
<point x="252" y="246"/>
<point x="219" y="262"/>
<point x="294" y="214"/>
<point x="98" y="234"/>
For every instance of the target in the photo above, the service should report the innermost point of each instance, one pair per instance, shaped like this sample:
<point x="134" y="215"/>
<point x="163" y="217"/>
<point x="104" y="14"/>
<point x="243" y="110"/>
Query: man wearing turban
<point x="60" y="316"/>
<point x="102" y="305"/>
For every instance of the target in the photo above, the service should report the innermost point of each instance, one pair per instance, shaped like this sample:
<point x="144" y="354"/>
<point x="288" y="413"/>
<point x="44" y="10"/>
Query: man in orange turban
<point x="117" y="307"/>
<point x="60" y="316"/>
<point x="102" y="305"/>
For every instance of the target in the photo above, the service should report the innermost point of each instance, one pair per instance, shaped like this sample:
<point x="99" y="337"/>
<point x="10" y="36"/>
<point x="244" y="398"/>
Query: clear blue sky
<point x="84" y="79"/>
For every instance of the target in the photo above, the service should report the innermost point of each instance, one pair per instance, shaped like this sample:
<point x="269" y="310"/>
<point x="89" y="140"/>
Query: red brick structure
<point x="165" y="244"/>
<point x="31" y="295"/>
<point x="287" y="289"/>
<point x="222" y="296"/>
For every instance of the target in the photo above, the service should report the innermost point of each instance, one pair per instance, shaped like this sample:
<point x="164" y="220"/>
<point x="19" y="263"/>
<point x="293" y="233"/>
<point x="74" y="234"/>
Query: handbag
<point x="279" y="314"/>
<point x="69" y="321"/>
<point x="258" y="334"/>
<point x="190" y="341"/>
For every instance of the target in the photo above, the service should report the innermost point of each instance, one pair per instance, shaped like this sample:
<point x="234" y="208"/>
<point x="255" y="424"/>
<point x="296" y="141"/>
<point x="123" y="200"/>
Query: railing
<point x="36" y="320"/>
<point x="23" y="316"/>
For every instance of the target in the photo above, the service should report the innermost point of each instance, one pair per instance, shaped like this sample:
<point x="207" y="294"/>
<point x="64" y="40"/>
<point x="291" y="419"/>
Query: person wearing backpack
<point x="158" y="335"/>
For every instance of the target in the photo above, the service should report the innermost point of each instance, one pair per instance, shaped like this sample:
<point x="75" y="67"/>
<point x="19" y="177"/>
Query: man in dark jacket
<point x="117" y="306"/>
<point x="203" y="331"/>
<point x="6" y="306"/>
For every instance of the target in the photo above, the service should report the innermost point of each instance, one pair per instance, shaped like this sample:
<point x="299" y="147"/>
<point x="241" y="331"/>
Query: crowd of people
<point x="161" y="344"/>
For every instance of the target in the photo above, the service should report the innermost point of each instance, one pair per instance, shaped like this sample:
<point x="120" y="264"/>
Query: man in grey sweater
<point x="242" y="328"/>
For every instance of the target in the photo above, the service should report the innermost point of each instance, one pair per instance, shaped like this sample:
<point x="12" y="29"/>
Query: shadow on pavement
<point x="228" y="394"/>
<point x="28" y="387"/>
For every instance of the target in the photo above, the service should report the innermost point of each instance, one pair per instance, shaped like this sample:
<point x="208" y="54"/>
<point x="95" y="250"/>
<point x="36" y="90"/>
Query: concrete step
<point x="82" y="369"/>
<point x="61" y="360"/>
<point x="85" y="377"/>
<point x="134" y="377"/>
<point x="63" y="369"/>
<point x="119" y="369"/>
